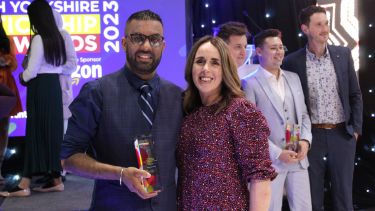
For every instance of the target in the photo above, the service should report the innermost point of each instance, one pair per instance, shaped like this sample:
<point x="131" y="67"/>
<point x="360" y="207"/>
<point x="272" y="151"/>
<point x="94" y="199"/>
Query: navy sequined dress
<point x="218" y="154"/>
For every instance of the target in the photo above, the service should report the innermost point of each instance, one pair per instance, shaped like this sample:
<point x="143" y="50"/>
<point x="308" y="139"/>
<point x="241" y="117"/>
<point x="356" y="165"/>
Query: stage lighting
<point x="13" y="151"/>
<point x="16" y="177"/>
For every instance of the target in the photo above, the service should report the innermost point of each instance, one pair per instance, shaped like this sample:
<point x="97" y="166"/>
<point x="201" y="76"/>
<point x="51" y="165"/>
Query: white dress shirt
<point x="37" y="63"/>
<point x="277" y="84"/>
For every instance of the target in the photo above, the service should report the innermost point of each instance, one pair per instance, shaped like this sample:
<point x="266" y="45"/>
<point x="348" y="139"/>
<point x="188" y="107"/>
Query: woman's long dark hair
<point x="4" y="40"/>
<point x="43" y="23"/>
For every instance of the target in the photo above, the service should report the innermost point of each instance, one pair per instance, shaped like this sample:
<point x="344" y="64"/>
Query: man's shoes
<point x="50" y="187"/>
<point x="16" y="192"/>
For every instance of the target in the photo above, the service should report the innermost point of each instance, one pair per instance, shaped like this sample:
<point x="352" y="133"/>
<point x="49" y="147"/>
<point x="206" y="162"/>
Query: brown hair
<point x="231" y="85"/>
<point x="232" y="28"/>
<point x="306" y="13"/>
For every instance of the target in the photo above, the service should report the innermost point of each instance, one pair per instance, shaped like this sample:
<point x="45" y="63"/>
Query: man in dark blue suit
<point x="334" y="102"/>
<point x="109" y="113"/>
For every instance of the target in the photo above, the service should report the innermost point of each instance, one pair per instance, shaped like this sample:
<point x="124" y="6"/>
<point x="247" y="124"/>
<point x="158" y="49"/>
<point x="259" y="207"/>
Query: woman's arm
<point x="36" y="57"/>
<point x="260" y="195"/>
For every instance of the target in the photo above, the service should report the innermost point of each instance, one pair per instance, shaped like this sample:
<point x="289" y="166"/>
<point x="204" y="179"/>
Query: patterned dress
<point x="218" y="154"/>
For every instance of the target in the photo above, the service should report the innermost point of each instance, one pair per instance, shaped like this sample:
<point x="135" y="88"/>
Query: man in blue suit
<point x="334" y="102"/>
<point x="278" y="95"/>
<point x="110" y="112"/>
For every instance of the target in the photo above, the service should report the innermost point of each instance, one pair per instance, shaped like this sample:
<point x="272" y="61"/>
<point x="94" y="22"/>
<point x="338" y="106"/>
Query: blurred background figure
<point x="66" y="75"/>
<point x="235" y="34"/>
<point x="65" y="80"/>
<point x="223" y="143"/>
<point x="8" y="64"/>
<point x="69" y="67"/>
<point x="44" y="126"/>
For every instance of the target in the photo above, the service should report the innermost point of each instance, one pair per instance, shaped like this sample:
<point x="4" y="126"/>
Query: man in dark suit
<point x="110" y="112"/>
<point x="334" y="102"/>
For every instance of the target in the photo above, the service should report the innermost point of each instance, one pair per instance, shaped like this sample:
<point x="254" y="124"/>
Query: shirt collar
<point x="269" y="75"/>
<point x="312" y="56"/>
<point x="136" y="82"/>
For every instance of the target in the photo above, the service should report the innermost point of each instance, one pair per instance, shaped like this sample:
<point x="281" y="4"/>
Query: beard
<point x="141" y="67"/>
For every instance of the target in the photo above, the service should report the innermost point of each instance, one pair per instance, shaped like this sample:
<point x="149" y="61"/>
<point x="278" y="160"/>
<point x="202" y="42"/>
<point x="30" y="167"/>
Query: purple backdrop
<point x="97" y="28"/>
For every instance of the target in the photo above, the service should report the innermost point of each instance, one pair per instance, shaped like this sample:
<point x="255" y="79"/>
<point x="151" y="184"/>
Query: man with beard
<point x="110" y="112"/>
<point x="334" y="102"/>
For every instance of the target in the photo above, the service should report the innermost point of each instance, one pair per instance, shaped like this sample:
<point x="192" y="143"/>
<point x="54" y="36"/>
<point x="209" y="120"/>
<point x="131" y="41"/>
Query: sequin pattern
<point x="218" y="154"/>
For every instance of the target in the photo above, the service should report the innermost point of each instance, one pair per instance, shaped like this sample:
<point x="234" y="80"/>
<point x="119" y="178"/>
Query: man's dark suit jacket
<point x="106" y="116"/>
<point x="349" y="91"/>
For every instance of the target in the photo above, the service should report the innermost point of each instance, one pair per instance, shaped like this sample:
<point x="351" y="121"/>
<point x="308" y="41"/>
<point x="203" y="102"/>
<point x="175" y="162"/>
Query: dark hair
<point x="261" y="36"/>
<point x="232" y="28"/>
<point x="42" y="22"/>
<point x="144" y="15"/>
<point x="306" y="13"/>
<point x="4" y="40"/>
<point x="231" y="85"/>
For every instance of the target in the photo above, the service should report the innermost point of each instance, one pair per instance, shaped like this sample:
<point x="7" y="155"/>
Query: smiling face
<point x="207" y="73"/>
<point x="271" y="53"/>
<point x="317" y="29"/>
<point x="143" y="59"/>
<point x="237" y="47"/>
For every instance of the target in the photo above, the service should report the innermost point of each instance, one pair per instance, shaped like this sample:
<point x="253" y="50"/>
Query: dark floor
<point x="76" y="196"/>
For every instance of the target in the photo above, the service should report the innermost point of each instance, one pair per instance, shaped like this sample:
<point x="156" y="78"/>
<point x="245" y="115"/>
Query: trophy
<point x="292" y="137"/>
<point x="147" y="161"/>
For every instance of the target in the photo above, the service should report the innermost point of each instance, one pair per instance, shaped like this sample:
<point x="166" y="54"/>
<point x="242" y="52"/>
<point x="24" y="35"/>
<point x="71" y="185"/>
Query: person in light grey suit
<point x="334" y="102"/>
<point x="279" y="96"/>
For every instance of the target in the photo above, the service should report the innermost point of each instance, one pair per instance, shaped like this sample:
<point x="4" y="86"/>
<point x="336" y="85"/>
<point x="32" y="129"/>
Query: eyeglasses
<point x="139" y="39"/>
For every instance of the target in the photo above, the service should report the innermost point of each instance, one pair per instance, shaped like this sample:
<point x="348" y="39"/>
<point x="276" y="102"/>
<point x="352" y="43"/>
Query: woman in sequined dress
<point x="223" y="142"/>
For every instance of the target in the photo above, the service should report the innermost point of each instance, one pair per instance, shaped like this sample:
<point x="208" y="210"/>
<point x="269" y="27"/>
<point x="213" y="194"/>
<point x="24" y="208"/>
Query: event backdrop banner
<point x="96" y="28"/>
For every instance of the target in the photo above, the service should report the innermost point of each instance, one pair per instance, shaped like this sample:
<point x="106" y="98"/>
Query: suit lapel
<point x="291" y="84"/>
<point x="275" y="100"/>
<point x="301" y="64"/>
<point x="337" y="62"/>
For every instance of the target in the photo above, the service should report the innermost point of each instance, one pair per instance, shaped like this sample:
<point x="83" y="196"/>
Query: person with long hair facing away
<point x="44" y="125"/>
<point x="223" y="143"/>
<point x="8" y="64"/>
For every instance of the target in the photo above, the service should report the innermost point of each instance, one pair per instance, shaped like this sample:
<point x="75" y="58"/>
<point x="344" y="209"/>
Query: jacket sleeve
<point x="355" y="97"/>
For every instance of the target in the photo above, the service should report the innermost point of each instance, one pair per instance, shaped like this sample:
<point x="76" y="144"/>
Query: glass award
<point x="144" y="148"/>
<point x="292" y="137"/>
